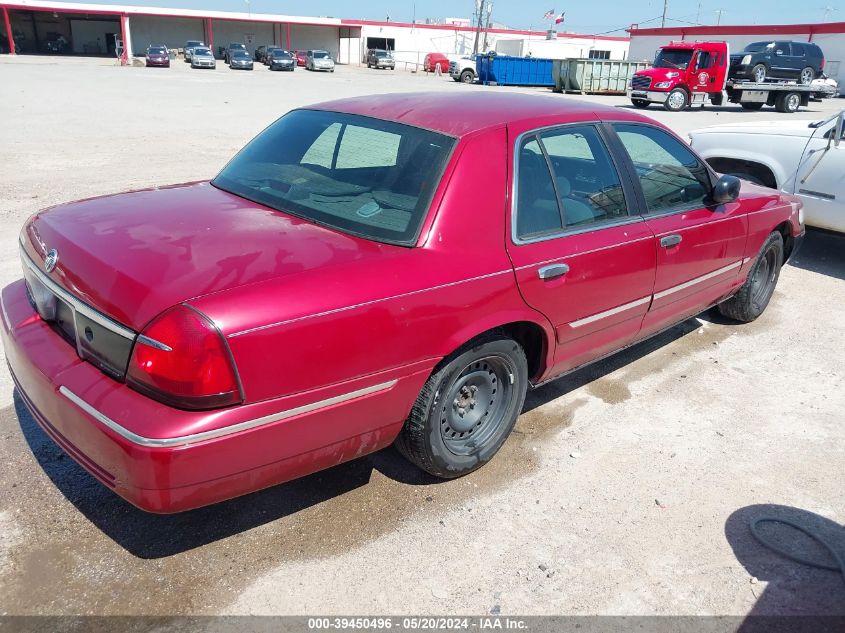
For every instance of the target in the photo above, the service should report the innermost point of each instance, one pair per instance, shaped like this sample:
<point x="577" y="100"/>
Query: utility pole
<point x="719" y="16"/>
<point x="479" y="6"/>
<point x="665" y="9"/>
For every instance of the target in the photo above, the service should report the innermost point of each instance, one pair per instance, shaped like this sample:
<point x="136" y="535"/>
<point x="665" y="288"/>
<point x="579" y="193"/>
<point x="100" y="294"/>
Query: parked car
<point x="463" y="69"/>
<point x="801" y="61"/>
<point x="433" y="60"/>
<point x="143" y="350"/>
<point x="803" y="158"/>
<point x="240" y="60"/>
<point x="377" y="58"/>
<point x="825" y="87"/>
<point x="301" y="57"/>
<point x="281" y="60"/>
<point x="202" y="57"/>
<point x="157" y="56"/>
<point x="319" y="60"/>
<point x="268" y="52"/>
<point x="261" y="53"/>
<point x="190" y="45"/>
<point x="234" y="46"/>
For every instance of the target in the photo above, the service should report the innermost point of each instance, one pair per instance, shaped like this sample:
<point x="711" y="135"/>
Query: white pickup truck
<point x="804" y="158"/>
<point x="463" y="69"/>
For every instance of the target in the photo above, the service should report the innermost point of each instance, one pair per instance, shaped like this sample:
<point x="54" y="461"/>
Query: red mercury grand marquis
<point x="396" y="268"/>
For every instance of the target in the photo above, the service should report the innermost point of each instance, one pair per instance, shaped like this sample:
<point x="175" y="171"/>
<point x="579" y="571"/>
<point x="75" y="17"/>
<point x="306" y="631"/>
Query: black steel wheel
<point x="754" y="295"/>
<point x="467" y="408"/>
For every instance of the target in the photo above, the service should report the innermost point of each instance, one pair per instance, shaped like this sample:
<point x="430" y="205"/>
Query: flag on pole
<point x="549" y="15"/>
<point x="559" y="19"/>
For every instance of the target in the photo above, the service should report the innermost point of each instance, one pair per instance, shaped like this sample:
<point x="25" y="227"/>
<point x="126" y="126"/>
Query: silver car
<point x="190" y="45"/>
<point x="319" y="60"/>
<point x="202" y="57"/>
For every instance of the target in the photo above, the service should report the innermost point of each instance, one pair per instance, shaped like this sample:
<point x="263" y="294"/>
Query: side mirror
<point x="726" y="189"/>
<point x="838" y="130"/>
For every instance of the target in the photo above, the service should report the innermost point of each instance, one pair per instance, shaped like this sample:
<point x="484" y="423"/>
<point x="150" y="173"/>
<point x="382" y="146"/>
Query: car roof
<point x="463" y="114"/>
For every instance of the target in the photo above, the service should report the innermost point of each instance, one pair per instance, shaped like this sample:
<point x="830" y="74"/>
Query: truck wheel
<point x="467" y="407"/>
<point x="754" y="105"/>
<point x="677" y="100"/>
<point x="807" y="75"/>
<point x="753" y="296"/>
<point x="788" y="102"/>
<point x="642" y="104"/>
<point x="467" y="77"/>
<point x="759" y="72"/>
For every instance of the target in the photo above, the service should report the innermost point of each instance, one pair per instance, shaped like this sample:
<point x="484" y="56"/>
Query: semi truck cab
<point x="683" y="73"/>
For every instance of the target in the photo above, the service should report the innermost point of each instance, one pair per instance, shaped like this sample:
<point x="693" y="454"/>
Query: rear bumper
<point x="122" y="439"/>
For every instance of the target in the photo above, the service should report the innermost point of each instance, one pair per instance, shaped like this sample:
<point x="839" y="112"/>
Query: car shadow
<point x="822" y="252"/>
<point x="783" y="587"/>
<point x="153" y="536"/>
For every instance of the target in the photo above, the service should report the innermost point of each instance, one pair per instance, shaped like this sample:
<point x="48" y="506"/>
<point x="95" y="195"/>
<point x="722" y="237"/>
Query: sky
<point x="581" y="17"/>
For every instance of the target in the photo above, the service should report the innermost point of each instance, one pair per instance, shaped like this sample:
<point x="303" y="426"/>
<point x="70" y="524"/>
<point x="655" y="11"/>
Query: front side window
<point x="356" y="174"/>
<point x="566" y="180"/>
<point x="672" y="177"/>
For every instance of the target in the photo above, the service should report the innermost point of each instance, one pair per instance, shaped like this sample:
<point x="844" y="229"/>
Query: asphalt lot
<point x="626" y="488"/>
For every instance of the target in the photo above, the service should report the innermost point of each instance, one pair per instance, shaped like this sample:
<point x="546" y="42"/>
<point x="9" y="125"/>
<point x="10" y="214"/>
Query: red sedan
<point x="301" y="57"/>
<point x="433" y="60"/>
<point x="371" y="271"/>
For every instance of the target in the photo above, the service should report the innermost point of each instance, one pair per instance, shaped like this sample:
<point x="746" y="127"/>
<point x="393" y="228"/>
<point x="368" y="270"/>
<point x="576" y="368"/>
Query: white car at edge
<point x="804" y="158"/>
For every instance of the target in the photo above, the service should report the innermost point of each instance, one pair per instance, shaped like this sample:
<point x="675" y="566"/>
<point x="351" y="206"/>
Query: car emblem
<point x="51" y="260"/>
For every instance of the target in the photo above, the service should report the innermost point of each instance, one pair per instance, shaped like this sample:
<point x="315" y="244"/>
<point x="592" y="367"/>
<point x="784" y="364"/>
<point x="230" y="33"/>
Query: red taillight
<point x="184" y="362"/>
<point x="821" y="66"/>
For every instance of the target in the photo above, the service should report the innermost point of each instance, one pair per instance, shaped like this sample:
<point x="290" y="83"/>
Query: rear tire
<point x="467" y="407"/>
<point x="788" y="102"/>
<point x="642" y="104"/>
<point x="806" y="77"/>
<point x="754" y="295"/>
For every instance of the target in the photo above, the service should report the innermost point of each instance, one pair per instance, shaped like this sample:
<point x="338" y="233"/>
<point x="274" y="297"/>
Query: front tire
<point x="467" y="77"/>
<point x="754" y="295"/>
<point x="467" y="407"/>
<point x="677" y="100"/>
<point x="759" y="73"/>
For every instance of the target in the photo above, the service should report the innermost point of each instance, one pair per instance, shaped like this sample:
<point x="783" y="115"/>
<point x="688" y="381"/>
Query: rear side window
<point x="671" y="176"/>
<point x="566" y="180"/>
<point x="798" y="50"/>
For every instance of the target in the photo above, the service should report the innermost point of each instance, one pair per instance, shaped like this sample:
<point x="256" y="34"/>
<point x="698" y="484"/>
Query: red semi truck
<point x="688" y="73"/>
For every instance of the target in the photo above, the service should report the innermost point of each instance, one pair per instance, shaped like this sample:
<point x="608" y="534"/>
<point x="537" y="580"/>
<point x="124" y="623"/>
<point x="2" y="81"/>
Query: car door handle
<point x="670" y="240"/>
<point x="550" y="272"/>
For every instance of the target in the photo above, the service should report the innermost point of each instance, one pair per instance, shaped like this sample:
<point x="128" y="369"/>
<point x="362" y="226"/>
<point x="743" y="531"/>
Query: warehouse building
<point x="47" y="27"/>
<point x="829" y="36"/>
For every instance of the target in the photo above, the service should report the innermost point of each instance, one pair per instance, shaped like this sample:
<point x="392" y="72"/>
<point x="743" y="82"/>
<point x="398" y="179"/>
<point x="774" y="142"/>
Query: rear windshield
<point x="357" y="174"/>
<point x="672" y="58"/>
<point x="758" y="47"/>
